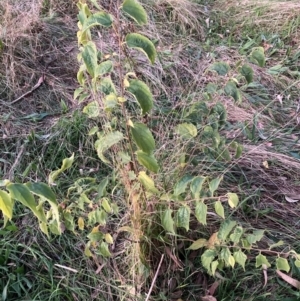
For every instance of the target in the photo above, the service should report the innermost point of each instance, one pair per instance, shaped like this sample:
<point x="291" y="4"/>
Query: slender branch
<point x="155" y="276"/>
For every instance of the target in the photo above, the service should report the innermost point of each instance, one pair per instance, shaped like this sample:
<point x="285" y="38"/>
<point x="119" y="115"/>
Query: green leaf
<point x="44" y="228"/>
<point x="219" y="209"/>
<point x="181" y="185"/>
<point x="107" y="86"/>
<point x="54" y="227"/>
<point x="135" y="11"/>
<point x="147" y="182"/>
<point x="69" y="221"/>
<point x="207" y="258"/>
<point x="214" y="266"/>
<point x="22" y="194"/>
<point x="231" y="90"/>
<point x="201" y="212"/>
<point x="186" y="130"/>
<point x="103" y="68"/>
<point x="66" y="164"/>
<point x="6" y="204"/>
<point x="89" y="56"/>
<point x="258" y="56"/>
<point x="196" y="186"/>
<point x="44" y="191"/>
<point x="282" y="264"/>
<point x="236" y="235"/>
<point x="239" y="151"/>
<point x="107" y="141"/>
<point x="106" y="205"/>
<point x="183" y="217"/>
<point x="221" y="68"/>
<point x="225" y="254"/>
<point x="198" y="244"/>
<point x="99" y="18"/>
<point x="255" y="237"/>
<point x="143" y="138"/>
<point x="261" y="260"/>
<point x="297" y="263"/>
<point x="247" y="72"/>
<point x="103" y="249"/>
<point x="95" y="235"/>
<point x="277" y="244"/>
<point x="240" y="258"/>
<point x="233" y="199"/>
<point x="92" y="109"/>
<point x="102" y="188"/>
<point x="147" y="161"/>
<point x="167" y="221"/>
<point x="214" y="185"/>
<point x="142" y="94"/>
<point x="143" y="44"/>
<point x="225" y="228"/>
<point x="93" y="131"/>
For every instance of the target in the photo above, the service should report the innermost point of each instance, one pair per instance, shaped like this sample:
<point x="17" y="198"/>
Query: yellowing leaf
<point x="240" y="258"/>
<point x="219" y="209"/>
<point x="213" y="241"/>
<point x="265" y="164"/>
<point x="92" y="109"/>
<point x="105" y="142"/>
<point x="282" y="264"/>
<point x="231" y="261"/>
<point x="198" y="244"/>
<point x="22" y="194"/>
<point x="186" y="130"/>
<point x="261" y="260"/>
<point x="108" y="238"/>
<point x="207" y="258"/>
<point x="233" y="199"/>
<point x="255" y="237"/>
<point x="81" y="223"/>
<point x="147" y="182"/>
<point x="66" y="164"/>
<point x="214" y="266"/>
<point x="6" y="204"/>
<point x="201" y="212"/>
<point x="167" y="221"/>
<point x="106" y="205"/>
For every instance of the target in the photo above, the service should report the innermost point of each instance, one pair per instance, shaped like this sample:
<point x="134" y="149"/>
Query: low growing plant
<point x="121" y="104"/>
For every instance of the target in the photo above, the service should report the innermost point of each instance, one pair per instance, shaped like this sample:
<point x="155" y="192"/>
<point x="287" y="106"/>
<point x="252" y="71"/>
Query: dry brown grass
<point x="38" y="42"/>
